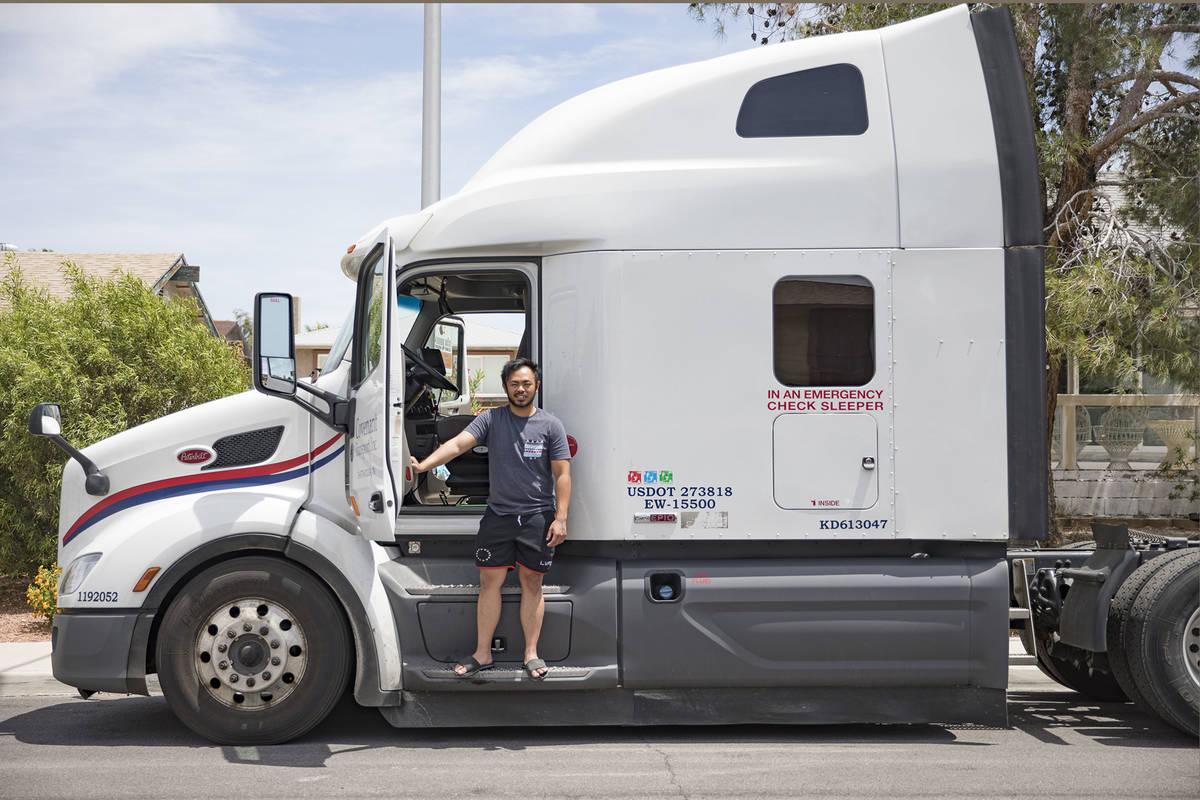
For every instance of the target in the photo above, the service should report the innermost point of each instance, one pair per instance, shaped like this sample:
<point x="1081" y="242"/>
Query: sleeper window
<point x="826" y="101"/>
<point x="824" y="331"/>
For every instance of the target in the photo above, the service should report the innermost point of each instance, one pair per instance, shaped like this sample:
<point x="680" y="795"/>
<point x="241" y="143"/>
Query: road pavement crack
<point x="670" y="769"/>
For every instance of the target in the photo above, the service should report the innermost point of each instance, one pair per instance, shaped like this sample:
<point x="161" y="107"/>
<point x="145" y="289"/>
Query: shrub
<point x="112" y="355"/>
<point x="42" y="594"/>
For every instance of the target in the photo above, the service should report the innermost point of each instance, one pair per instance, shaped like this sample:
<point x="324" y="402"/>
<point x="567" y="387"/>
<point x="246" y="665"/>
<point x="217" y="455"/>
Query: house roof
<point x="156" y="270"/>
<point x="479" y="335"/>
<point x="45" y="269"/>
<point x="322" y="337"/>
<point x="229" y="330"/>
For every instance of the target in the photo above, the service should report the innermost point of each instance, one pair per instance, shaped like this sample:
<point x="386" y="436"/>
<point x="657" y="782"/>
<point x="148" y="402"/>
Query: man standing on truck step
<point x="529" y="472"/>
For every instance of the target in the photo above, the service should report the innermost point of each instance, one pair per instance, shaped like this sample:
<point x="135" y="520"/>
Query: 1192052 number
<point x="96" y="597"/>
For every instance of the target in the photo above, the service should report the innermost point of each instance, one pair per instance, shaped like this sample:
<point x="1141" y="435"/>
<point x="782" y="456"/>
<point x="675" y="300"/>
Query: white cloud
<point x="526" y="19"/>
<point x="51" y="55"/>
<point x="263" y="140"/>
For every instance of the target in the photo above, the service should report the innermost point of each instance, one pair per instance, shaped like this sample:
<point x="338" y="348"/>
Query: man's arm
<point x="562" y="501"/>
<point x="447" y="451"/>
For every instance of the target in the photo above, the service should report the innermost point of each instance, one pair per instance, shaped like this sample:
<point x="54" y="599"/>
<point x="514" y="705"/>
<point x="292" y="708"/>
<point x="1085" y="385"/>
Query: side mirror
<point x="45" y="420"/>
<point x="448" y="338"/>
<point x="274" y="345"/>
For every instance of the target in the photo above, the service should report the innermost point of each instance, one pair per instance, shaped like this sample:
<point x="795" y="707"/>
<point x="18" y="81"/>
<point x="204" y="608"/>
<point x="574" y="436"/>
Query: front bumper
<point x="101" y="652"/>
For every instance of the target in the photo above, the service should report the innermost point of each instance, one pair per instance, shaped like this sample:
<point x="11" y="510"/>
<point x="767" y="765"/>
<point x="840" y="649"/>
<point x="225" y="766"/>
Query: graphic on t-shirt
<point x="535" y="448"/>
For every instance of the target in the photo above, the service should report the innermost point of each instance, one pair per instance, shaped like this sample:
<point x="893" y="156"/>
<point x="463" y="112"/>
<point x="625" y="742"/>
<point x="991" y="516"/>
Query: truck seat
<point x="468" y="472"/>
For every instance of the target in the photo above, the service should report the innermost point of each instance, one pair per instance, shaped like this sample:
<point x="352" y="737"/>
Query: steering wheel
<point x="428" y="373"/>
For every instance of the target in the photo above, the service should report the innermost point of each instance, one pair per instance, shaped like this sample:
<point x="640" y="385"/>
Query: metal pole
<point x="431" y="109"/>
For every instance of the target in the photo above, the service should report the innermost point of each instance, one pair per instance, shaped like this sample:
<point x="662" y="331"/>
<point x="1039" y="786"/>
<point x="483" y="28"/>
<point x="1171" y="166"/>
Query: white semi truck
<point x="788" y="304"/>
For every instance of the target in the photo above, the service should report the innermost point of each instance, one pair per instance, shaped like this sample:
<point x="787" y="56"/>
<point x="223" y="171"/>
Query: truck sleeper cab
<point x="770" y="293"/>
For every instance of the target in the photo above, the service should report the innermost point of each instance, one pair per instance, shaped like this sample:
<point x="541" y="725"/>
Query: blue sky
<point x="262" y="140"/>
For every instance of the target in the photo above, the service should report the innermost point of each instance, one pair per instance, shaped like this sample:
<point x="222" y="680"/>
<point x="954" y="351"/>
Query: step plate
<point x="506" y="674"/>
<point x="473" y="591"/>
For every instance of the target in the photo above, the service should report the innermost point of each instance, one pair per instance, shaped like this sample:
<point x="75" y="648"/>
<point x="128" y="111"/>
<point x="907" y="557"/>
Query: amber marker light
<point x="144" y="581"/>
<point x="354" y="505"/>
<point x="350" y="249"/>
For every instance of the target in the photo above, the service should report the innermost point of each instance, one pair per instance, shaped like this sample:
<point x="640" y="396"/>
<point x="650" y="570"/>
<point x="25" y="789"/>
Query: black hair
<point x="516" y="364"/>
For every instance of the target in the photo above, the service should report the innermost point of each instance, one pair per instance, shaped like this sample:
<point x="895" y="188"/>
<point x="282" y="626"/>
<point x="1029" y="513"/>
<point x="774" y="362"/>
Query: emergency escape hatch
<point x="826" y="461"/>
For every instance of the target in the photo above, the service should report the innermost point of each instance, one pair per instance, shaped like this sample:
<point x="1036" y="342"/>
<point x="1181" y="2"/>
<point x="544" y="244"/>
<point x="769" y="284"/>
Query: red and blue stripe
<point x="236" y="478"/>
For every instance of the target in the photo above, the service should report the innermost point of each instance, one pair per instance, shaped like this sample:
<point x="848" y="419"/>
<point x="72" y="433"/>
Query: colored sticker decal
<point x="194" y="484"/>
<point x="650" y="476"/>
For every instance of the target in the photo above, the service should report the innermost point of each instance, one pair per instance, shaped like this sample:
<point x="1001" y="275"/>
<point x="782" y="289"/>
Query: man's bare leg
<point x="533" y="608"/>
<point x="487" y="615"/>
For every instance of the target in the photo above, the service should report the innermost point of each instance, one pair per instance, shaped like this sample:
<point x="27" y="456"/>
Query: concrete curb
<point x="25" y="671"/>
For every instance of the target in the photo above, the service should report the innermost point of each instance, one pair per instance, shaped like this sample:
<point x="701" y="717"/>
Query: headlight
<point x="78" y="572"/>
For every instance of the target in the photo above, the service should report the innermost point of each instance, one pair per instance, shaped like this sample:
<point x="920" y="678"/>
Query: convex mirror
<point x="45" y="420"/>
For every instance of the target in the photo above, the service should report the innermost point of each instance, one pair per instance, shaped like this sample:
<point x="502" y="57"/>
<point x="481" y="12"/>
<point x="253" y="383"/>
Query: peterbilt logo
<point x="194" y="455"/>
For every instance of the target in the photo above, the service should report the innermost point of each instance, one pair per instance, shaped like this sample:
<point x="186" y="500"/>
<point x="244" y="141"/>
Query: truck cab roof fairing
<point x="597" y="171"/>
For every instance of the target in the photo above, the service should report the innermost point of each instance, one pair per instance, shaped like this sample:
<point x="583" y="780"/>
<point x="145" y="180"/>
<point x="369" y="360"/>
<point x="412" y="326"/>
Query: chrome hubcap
<point x="1191" y="646"/>
<point x="250" y="654"/>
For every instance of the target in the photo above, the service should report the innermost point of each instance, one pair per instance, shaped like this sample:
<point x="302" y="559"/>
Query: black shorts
<point x="506" y="540"/>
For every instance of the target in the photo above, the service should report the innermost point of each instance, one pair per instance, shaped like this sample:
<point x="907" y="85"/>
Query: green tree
<point x="1112" y="87"/>
<point x="246" y="323"/>
<point x="112" y="355"/>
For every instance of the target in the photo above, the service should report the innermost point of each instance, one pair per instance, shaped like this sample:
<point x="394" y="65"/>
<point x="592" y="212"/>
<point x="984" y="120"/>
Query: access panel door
<point x="826" y="461"/>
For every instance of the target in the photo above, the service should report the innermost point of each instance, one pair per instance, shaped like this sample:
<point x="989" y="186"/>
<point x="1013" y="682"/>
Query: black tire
<point x="1118" y="625"/>
<point x="1096" y="685"/>
<point x="1156" y="634"/>
<point x="290" y="620"/>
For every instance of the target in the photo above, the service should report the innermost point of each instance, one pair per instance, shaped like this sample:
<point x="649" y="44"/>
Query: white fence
<point x="1110" y="431"/>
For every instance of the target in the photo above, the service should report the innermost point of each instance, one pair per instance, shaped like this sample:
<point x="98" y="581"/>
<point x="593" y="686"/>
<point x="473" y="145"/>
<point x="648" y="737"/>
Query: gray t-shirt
<point x="520" y="450"/>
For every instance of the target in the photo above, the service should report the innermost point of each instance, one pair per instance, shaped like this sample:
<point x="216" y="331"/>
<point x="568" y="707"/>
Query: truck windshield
<point x="407" y="309"/>
<point x="406" y="314"/>
<point x="341" y="345"/>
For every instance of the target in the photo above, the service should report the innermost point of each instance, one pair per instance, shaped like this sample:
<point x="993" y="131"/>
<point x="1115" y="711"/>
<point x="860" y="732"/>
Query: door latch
<point x="376" y="502"/>
<point x="868" y="463"/>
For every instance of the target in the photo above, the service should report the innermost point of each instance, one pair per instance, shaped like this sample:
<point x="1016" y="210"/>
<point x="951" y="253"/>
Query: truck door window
<point x="369" y="325"/>
<point x="824" y="331"/>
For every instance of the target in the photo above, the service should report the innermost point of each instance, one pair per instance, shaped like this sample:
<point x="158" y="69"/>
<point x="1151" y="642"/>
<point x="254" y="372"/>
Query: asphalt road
<point x="1059" y="745"/>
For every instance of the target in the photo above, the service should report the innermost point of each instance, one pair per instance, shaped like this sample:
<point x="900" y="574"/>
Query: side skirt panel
<point x="687" y="706"/>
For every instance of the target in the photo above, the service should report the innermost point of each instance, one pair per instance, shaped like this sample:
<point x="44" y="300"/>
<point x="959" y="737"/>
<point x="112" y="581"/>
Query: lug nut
<point x="274" y="644"/>
<point x="246" y="627"/>
<point x="222" y="647"/>
<point x="233" y="678"/>
<point x="264" y="630"/>
<point x="250" y="682"/>
<point x="230" y="634"/>
<point x="266" y="676"/>
<point x="274" y="661"/>
<point x="223" y="665"/>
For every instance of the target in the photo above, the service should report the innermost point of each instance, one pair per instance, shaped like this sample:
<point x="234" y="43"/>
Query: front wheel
<point x="253" y="651"/>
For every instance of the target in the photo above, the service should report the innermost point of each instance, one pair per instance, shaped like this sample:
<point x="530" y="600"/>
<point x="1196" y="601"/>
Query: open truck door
<point x="376" y="456"/>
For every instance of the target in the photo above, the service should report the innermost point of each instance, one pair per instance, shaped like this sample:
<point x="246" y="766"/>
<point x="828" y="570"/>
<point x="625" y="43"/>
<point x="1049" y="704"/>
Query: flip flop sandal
<point x="533" y="665"/>
<point x="472" y="666"/>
